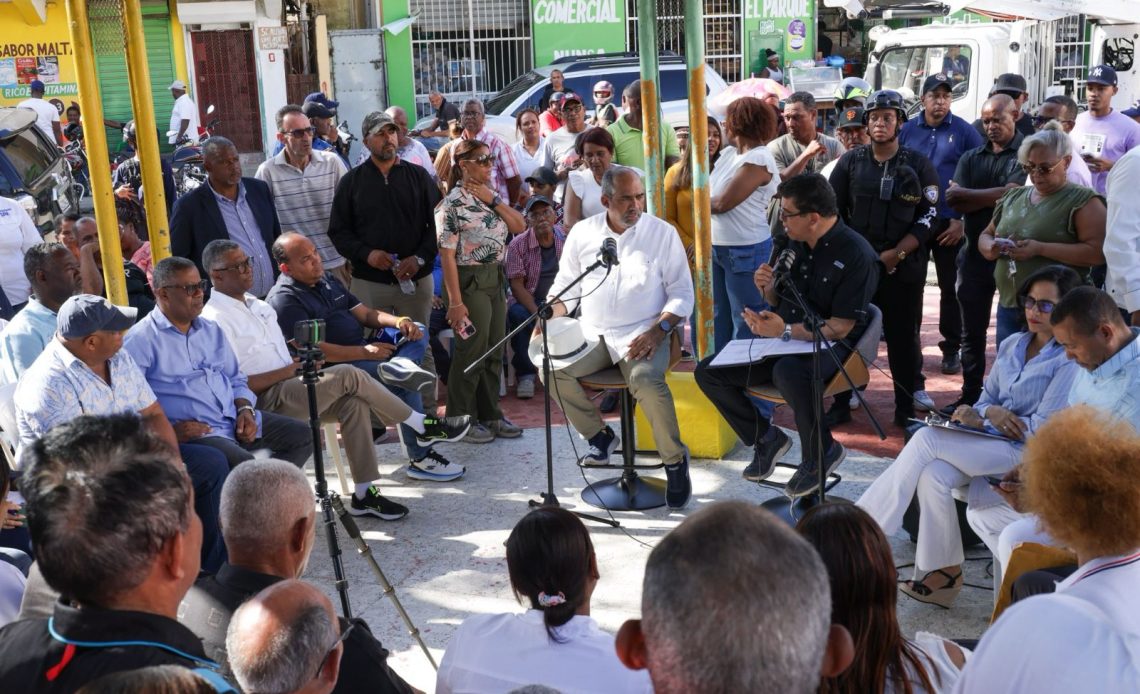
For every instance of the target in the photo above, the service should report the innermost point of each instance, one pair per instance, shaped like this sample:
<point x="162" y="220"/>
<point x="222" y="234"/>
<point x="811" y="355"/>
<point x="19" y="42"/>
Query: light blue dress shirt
<point x="58" y="388"/>
<point x="195" y="374"/>
<point x="1114" y="386"/>
<point x="242" y="227"/>
<point x="24" y="339"/>
<point x="1034" y="389"/>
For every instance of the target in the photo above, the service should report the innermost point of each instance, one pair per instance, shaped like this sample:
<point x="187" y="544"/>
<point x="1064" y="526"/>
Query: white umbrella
<point x="758" y="87"/>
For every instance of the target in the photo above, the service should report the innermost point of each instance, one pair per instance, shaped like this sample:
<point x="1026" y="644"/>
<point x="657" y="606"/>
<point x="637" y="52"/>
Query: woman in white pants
<point x="1029" y="381"/>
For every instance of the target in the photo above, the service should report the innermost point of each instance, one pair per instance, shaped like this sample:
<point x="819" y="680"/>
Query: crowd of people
<point x="160" y="445"/>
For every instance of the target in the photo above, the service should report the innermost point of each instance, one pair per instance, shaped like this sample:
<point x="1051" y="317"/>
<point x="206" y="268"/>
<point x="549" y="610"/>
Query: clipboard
<point x="961" y="428"/>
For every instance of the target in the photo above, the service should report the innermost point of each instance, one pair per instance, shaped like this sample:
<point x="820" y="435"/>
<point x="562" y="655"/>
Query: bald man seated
<point x="286" y="639"/>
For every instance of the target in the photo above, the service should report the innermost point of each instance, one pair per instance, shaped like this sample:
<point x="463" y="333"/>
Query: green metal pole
<point x="699" y="154"/>
<point x="650" y="114"/>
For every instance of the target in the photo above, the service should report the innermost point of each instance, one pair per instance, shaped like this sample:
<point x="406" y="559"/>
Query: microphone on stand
<point x="784" y="263"/>
<point x="609" y="253"/>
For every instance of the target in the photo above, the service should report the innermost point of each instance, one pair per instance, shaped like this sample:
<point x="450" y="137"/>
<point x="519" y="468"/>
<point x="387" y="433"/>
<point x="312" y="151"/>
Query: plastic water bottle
<point x="407" y="286"/>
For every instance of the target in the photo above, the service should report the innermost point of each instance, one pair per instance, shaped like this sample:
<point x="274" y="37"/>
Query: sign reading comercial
<point x="577" y="27"/>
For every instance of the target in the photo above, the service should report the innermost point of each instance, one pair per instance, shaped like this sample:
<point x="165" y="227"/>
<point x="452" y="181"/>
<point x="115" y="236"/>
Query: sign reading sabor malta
<point x="576" y="27"/>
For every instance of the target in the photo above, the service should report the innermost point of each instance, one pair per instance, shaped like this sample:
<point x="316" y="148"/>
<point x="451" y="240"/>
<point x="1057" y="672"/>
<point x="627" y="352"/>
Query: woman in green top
<point x="474" y="225"/>
<point x="1049" y="221"/>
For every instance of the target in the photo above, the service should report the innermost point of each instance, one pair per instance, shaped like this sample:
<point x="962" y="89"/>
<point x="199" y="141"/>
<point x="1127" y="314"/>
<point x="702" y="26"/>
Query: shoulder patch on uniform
<point x="931" y="193"/>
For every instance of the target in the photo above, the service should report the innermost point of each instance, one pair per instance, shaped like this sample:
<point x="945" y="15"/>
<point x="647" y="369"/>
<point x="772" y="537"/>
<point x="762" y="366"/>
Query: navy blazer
<point x="197" y="221"/>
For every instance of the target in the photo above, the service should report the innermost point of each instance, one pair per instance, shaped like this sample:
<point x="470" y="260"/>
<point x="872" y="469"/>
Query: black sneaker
<point x="602" y="444"/>
<point x="838" y="413"/>
<point x="609" y="402"/>
<point x="375" y="504"/>
<point x="444" y="429"/>
<point x="805" y="481"/>
<point x="765" y="455"/>
<point x="678" y="488"/>
<point x="951" y="364"/>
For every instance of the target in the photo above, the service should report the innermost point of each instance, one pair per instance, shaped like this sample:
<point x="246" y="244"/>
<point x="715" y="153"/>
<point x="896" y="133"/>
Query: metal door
<point x="358" y="73"/>
<point x="225" y="74"/>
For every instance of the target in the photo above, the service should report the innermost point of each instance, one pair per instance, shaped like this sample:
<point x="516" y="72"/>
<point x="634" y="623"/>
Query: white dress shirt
<point x="184" y="109"/>
<point x="17" y="235"/>
<point x="494" y="653"/>
<point x="252" y="331"/>
<point x="1122" y="237"/>
<point x="45" y="115"/>
<point x="652" y="278"/>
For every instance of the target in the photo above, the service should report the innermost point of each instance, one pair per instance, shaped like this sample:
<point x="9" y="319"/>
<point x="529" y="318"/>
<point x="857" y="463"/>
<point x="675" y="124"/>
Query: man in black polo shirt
<point x="383" y="222"/>
<point x="111" y="515"/>
<point x="983" y="175"/>
<point x="268" y="520"/>
<point x="836" y="271"/>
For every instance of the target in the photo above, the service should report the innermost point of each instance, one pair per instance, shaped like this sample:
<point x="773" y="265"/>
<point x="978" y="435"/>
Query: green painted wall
<point x="398" y="57"/>
<point x="786" y="26"/>
<point x="576" y="27"/>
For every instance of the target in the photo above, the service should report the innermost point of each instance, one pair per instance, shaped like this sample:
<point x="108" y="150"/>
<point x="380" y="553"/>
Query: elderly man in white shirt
<point x="1122" y="235"/>
<point x="344" y="391"/>
<point x="634" y="310"/>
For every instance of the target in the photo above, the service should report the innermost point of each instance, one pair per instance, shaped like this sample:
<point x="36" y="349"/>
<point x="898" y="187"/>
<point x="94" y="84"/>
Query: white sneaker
<point x="923" y="402"/>
<point x="525" y="389"/>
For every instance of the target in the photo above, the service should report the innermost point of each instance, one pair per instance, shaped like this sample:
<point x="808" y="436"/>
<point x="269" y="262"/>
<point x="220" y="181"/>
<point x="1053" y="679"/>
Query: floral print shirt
<point x="466" y="224"/>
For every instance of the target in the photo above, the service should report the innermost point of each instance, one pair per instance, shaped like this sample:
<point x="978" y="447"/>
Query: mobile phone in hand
<point x="992" y="480"/>
<point x="466" y="329"/>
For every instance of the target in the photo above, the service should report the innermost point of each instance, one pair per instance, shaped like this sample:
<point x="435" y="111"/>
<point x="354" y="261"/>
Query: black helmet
<point x="884" y="98"/>
<point x="129" y="131"/>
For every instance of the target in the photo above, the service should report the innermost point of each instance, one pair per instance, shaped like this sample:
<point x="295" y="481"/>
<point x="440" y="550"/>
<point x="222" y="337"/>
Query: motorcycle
<point x="76" y="156"/>
<point x="187" y="160"/>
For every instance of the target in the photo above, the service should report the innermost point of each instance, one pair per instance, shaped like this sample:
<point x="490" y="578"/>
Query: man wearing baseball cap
<point x="558" y="154"/>
<point x="84" y="370"/>
<point x="1102" y="135"/>
<point x="319" y="117"/>
<point x="1133" y="111"/>
<point x="942" y="138"/>
<point x="1014" y="86"/>
<point x="543" y="181"/>
<point x="184" y="119"/>
<point x="47" y="117"/>
<point x="321" y="110"/>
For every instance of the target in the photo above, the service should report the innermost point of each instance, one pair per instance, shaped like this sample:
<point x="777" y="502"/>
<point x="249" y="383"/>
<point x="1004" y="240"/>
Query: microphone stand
<point x="785" y="507"/>
<point x="544" y="312"/>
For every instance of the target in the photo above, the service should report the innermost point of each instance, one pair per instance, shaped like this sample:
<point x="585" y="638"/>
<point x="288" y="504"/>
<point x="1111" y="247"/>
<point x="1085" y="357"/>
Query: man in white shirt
<point x="184" y="116"/>
<point x="1122" y="237"/>
<point x="559" y="153"/>
<point x="47" y="117"/>
<point x="17" y="236"/>
<point x="303" y="180"/>
<point x="634" y="311"/>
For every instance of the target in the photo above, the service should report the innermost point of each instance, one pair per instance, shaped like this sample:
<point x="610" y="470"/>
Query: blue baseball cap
<point x="1134" y="110"/>
<point x="1102" y="74"/>
<point x="84" y="314"/>
<point x="320" y="98"/>
<point x="36" y="86"/>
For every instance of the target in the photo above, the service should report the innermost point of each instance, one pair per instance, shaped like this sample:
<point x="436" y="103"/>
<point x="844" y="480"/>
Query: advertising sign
<point x="785" y="26"/>
<point x="42" y="52"/>
<point x="577" y="27"/>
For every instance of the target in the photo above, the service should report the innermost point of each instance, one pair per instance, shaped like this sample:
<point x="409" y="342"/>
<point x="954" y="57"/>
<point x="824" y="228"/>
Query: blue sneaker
<point x="433" y="467"/>
<point x="602" y="444"/>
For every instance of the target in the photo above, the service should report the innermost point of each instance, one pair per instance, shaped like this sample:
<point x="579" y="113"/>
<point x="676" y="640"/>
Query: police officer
<point x="889" y="193"/>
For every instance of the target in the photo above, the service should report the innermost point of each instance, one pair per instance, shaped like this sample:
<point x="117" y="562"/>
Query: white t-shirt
<point x="17" y="235"/>
<point x="493" y="653"/>
<point x="184" y="109"/>
<point x="747" y="223"/>
<point x="589" y="191"/>
<point x="45" y="115"/>
<point x="559" y="148"/>
<point x="526" y="162"/>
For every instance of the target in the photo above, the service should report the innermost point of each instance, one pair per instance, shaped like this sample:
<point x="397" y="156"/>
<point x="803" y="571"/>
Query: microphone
<point x="784" y="263"/>
<point x="609" y="253"/>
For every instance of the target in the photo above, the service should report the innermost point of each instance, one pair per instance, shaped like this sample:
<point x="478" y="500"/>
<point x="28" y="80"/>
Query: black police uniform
<point x="885" y="201"/>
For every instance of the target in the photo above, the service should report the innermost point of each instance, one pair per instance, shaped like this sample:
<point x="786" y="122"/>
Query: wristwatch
<point x="787" y="334"/>
<point x="495" y="201"/>
<point x="666" y="326"/>
<point x="243" y="408"/>
<point x="420" y="261"/>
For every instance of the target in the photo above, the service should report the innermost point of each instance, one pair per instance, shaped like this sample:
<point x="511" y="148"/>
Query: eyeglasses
<point x="572" y="107"/>
<point x="300" y="132"/>
<point x="540" y="213"/>
<point x="784" y="214"/>
<point x="343" y="636"/>
<point x="242" y="267"/>
<point x="1042" y="169"/>
<point x="472" y="114"/>
<point x="1042" y="305"/>
<point x="190" y="289"/>
<point x="481" y="160"/>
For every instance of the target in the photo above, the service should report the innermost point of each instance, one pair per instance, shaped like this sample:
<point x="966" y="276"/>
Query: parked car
<point x="581" y="73"/>
<point x="33" y="171"/>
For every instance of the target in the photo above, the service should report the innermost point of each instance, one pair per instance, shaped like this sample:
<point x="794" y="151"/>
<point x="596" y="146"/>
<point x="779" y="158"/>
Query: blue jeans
<point x="734" y="290"/>
<point x="520" y="343"/>
<point x="412" y="350"/>
<point x="208" y="468"/>
<point x="1008" y="322"/>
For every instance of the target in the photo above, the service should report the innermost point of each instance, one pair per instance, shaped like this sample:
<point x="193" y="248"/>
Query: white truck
<point x="1053" y="53"/>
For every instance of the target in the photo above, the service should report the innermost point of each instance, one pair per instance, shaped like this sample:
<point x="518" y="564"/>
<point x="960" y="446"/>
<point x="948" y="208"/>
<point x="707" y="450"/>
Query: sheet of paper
<point x="752" y="350"/>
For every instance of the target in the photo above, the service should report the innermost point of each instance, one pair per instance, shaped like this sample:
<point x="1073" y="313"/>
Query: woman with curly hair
<point x="555" y="643"/>
<point x="864" y="593"/>
<point x="474" y="225"/>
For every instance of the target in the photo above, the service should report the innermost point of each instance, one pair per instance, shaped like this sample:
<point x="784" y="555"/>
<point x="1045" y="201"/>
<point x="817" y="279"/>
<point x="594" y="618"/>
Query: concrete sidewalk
<point x="446" y="559"/>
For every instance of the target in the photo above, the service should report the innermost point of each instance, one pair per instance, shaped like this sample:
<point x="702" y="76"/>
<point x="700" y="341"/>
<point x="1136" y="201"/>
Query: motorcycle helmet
<point x="129" y="131"/>
<point x="853" y="89"/>
<point x="604" y="86"/>
<point x="882" y="99"/>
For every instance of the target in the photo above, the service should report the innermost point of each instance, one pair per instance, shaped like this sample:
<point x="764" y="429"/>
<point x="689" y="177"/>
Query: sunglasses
<point x="1041" y="169"/>
<point x="1042" y="305"/>
<point x="190" y="289"/>
<point x="481" y="160"/>
<point x="300" y="132"/>
<point x="242" y="267"/>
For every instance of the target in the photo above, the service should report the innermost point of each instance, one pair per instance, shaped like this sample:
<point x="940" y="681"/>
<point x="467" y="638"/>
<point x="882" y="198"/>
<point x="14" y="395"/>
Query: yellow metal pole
<point x="650" y="108"/>
<point x="178" y="43"/>
<point x="142" y="102"/>
<point x="99" y="160"/>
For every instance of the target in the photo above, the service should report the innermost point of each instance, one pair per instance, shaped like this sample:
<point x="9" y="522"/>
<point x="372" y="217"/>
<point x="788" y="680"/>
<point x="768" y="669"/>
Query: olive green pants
<point x="483" y="291"/>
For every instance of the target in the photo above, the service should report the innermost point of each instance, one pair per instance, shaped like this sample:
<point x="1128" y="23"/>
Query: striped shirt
<point x="303" y="198"/>
<point x="242" y="227"/>
<point x="1032" y="389"/>
<point x="505" y="165"/>
<point x="1114" y="386"/>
